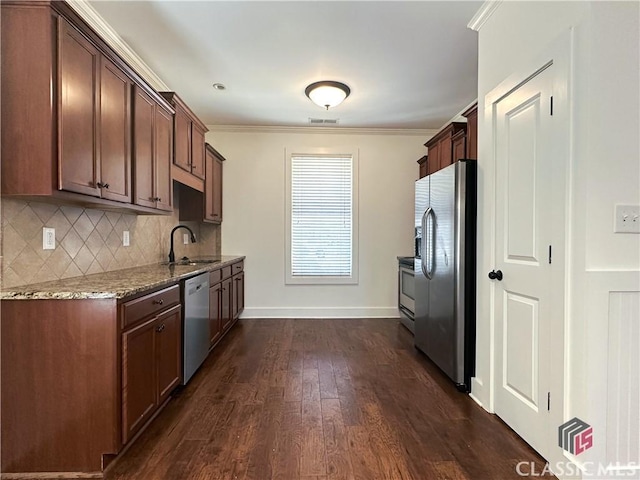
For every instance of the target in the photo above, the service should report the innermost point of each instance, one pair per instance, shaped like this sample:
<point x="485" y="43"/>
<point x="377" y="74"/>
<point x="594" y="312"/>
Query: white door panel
<point x="524" y="310"/>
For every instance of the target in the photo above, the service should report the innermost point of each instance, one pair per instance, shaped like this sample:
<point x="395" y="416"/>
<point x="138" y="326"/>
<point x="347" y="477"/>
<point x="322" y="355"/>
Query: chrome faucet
<point x="172" y="256"/>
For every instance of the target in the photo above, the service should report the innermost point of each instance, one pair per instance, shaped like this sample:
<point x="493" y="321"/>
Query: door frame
<point x="560" y="54"/>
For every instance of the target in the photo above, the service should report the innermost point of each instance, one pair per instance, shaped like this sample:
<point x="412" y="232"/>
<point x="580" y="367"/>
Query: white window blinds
<point x="321" y="216"/>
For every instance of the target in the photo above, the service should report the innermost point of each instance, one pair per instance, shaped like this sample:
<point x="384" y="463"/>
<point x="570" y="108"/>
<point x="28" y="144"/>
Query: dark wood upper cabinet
<point x="472" y="132"/>
<point x="153" y="149"/>
<point x="423" y="165"/>
<point x="213" y="185"/>
<point x="78" y="119"/>
<point x="434" y="158"/>
<point x="182" y="133"/>
<point x="441" y="146"/>
<point x="205" y="207"/>
<point x="163" y="156"/>
<point x="143" y="148"/>
<point x="61" y="80"/>
<point x="189" y="142"/>
<point x="459" y="145"/>
<point x="197" y="150"/>
<point x="94" y="120"/>
<point x="115" y="133"/>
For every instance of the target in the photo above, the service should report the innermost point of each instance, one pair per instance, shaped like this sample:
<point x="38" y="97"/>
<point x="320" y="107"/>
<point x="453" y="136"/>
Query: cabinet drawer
<point x="215" y="277"/>
<point x="135" y="310"/>
<point x="237" y="268"/>
<point x="226" y="272"/>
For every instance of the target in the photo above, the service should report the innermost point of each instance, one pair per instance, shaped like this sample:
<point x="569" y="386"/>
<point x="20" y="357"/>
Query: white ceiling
<point x="409" y="64"/>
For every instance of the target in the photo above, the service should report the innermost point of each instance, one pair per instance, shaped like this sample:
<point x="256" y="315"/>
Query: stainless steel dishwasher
<point x="195" y="338"/>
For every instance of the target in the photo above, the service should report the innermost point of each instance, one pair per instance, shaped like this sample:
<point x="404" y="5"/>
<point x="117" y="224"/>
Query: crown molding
<point x="428" y="132"/>
<point x="483" y="14"/>
<point x="111" y="37"/>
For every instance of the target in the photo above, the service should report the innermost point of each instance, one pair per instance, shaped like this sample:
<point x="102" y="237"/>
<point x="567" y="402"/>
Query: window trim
<point x="322" y="280"/>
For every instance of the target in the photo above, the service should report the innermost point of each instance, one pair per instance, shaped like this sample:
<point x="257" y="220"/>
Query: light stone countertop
<point x="115" y="284"/>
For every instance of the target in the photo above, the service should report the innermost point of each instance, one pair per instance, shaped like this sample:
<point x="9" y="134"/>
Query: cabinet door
<point x="238" y="295"/>
<point x="433" y="161"/>
<point x="459" y="148"/>
<point x="139" y="396"/>
<point x="78" y="152"/>
<point x="472" y="135"/>
<point x="423" y="169"/>
<point x="163" y="154"/>
<point x="168" y="328"/>
<point x="215" y="325"/>
<point x="213" y="188"/>
<point x="143" y="149"/>
<point x="115" y="133"/>
<point x="182" y="156"/>
<point x="225" y="308"/>
<point x="197" y="151"/>
<point x="217" y="190"/>
<point x="445" y="151"/>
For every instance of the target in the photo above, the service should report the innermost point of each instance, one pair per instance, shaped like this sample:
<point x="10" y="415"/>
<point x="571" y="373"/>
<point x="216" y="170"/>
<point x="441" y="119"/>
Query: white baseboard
<point x="320" y="312"/>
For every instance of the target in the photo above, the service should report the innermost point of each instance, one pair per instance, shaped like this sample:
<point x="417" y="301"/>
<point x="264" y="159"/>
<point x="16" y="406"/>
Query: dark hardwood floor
<point x="322" y="399"/>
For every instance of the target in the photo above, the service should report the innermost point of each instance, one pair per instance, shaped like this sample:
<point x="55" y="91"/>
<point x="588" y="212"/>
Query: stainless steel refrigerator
<point x="445" y="228"/>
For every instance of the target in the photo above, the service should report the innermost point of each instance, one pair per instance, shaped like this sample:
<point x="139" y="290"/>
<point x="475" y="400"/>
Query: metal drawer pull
<point x="158" y="302"/>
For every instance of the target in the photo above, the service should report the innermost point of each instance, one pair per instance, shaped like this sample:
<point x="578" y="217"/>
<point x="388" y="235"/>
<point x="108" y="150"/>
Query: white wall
<point x="254" y="218"/>
<point x="604" y="171"/>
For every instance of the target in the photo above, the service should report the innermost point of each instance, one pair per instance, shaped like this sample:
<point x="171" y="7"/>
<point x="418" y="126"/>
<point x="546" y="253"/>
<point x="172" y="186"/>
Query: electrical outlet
<point x="125" y="238"/>
<point x="48" y="238"/>
<point x="185" y="239"/>
<point x="627" y="219"/>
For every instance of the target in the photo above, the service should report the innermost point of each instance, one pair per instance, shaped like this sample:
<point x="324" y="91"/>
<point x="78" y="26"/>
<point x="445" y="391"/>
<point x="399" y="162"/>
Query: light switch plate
<point x="125" y="238"/>
<point x="627" y="219"/>
<point x="185" y="239"/>
<point x="48" y="238"/>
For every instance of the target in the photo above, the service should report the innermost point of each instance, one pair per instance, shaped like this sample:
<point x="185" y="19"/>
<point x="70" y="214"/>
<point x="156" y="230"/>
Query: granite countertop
<point x="115" y="284"/>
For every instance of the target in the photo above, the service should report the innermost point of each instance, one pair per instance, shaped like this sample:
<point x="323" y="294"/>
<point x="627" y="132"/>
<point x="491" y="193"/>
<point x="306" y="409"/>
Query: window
<point x="322" y="218"/>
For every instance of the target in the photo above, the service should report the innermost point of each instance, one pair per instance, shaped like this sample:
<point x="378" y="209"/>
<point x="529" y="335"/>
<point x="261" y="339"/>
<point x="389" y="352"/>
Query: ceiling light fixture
<point x="327" y="93"/>
<point x="219" y="86"/>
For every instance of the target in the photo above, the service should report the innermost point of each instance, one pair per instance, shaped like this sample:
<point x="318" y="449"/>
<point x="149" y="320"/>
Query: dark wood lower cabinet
<point x="238" y="295"/>
<point x="226" y="299"/>
<point x="151" y="367"/>
<point x="225" y="305"/>
<point x="88" y="375"/>
<point x="215" y="323"/>
<point x="139" y="399"/>
<point x="168" y="352"/>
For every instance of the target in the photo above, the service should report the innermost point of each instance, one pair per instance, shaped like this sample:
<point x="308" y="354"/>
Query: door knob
<point x="495" y="275"/>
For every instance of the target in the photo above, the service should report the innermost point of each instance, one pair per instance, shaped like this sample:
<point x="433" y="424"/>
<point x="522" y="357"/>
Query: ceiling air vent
<point x="323" y="121"/>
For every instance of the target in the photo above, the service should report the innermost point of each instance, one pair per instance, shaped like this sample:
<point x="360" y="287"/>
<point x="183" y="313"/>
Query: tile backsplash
<point x="89" y="241"/>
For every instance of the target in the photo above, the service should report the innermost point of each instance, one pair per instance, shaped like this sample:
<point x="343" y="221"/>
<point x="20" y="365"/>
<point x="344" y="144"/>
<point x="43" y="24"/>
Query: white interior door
<point x="527" y="310"/>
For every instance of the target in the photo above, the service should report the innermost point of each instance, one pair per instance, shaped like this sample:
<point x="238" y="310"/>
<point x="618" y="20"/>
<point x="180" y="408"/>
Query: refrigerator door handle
<point x="432" y="242"/>
<point x="425" y="255"/>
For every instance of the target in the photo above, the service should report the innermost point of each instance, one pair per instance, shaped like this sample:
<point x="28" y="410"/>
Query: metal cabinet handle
<point x="158" y="302"/>
<point x="102" y="185"/>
